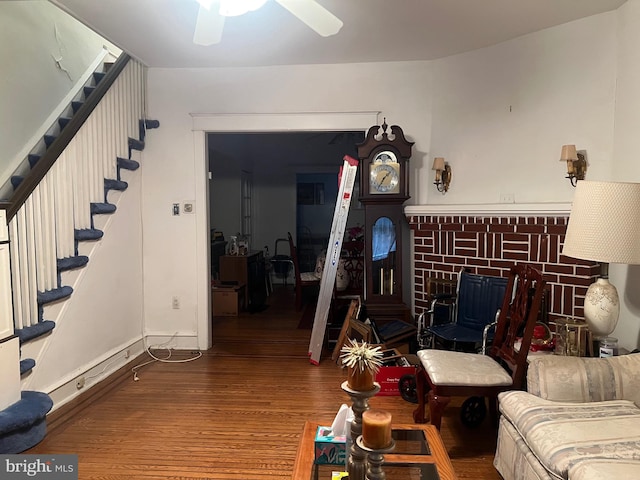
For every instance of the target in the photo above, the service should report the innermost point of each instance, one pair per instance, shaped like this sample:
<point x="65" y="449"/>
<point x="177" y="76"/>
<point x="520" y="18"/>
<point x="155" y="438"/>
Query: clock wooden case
<point x="384" y="187"/>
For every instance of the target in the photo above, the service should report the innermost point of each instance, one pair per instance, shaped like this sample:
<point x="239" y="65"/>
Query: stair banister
<point x="38" y="172"/>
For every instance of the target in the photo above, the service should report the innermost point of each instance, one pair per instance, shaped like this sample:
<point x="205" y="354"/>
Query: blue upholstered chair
<point x="469" y="311"/>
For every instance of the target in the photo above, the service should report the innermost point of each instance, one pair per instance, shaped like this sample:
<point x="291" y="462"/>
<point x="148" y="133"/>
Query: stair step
<point x="26" y="365"/>
<point x="71" y="263"/>
<point x="34" y="331"/>
<point x="111" y="184"/>
<point x="87" y="234"/>
<point x="75" y="106"/>
<point x="144" y="125"/>
<point x="88" y="90"/>
<point x="98" y="76"/>
<point x="128" y="164"/>
<point x="33" y="159"/>
<point x="23" y="424"/>
<point x="63" y="121"/>
<point x="102" y="208"/>
<point x="135" y="144"/>
<point x="16" y="180"/>
<point x="49" y="139"/>
<point x="54" y="295"/>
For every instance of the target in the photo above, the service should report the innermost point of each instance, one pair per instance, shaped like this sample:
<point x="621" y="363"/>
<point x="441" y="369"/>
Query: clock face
<point x="384" y="178"/>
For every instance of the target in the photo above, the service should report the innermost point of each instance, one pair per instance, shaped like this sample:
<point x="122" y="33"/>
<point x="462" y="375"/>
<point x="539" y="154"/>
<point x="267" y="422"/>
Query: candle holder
<point x="375" y="459"/>
<point x="356" y="463"/>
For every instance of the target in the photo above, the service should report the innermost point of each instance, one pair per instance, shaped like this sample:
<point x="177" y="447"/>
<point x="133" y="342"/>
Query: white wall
<point x="175" y="94"/>
<point x="499" y="115"/>
<point x="103" y="317"/>
<point x="626" y="167"/>
<point x="33" y="35"/>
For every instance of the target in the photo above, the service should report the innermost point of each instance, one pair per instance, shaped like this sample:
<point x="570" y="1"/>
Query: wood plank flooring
<point x="235" y="413"/>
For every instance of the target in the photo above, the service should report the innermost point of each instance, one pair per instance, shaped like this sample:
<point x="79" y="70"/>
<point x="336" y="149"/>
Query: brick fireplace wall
<point x="490" y="245"/>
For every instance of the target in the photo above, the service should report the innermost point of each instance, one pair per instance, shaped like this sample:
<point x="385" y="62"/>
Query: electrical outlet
<point x="507" y="198"/>
<point x="80" y="383"/>
<point x="175" y="303"/>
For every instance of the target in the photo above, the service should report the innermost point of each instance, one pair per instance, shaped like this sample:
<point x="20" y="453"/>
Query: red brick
<point x="555" y="268"/>
<point x="517" y="256"/>
<point x="464" y="252"/>
<point x="520" y="247"/>
<point x="530" y="228"/>
<point x="556" y="229"/>
<point x="475" y="227"/>
<point x="480" y="262"/>
<point x="494" y="272"/>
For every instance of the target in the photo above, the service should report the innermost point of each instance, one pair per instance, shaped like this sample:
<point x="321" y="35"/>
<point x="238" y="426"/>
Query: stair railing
<point x="55" y="201"/>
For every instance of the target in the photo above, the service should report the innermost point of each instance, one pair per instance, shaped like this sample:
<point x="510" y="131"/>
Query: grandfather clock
<point x="384" y="187"/>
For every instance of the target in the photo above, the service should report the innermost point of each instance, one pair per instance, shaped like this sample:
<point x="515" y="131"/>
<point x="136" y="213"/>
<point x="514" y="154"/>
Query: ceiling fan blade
<point x="314" y="15"/>
<point x="209" y="25"/>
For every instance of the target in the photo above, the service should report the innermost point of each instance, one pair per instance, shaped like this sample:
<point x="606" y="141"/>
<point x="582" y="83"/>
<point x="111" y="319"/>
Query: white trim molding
<point x="492" y="210"/>
<point x="261" y="122"/>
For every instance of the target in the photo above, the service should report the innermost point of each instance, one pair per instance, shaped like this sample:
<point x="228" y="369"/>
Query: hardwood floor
<point x="235" y="413"/>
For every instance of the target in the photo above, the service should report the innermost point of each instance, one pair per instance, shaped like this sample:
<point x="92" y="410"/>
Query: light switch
<point x="176" y="209"/>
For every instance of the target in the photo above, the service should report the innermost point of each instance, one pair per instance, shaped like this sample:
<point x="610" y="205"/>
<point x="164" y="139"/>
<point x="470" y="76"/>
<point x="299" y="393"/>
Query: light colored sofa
<point x="578" y="420"/>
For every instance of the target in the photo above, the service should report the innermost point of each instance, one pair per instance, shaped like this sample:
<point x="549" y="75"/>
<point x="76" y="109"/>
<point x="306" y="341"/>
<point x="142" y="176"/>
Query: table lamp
<point x="604" y="226"/>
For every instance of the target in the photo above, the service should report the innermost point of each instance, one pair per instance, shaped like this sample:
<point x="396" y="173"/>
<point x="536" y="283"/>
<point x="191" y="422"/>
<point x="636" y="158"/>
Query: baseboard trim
<point x="66" y="412"/>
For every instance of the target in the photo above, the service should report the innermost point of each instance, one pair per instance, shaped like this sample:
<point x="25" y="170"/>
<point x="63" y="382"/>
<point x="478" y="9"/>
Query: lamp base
<point x="601" y="308"/>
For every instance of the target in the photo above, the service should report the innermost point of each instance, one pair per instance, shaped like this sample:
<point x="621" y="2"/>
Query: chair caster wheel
<point x="473" y="411"/>
<point x="408" y="388"/>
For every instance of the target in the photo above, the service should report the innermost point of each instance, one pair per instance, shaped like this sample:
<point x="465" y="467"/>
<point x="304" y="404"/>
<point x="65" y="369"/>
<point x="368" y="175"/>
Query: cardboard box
<point x="227" y="300"/>
<point x="329" y="450"/>
<point x="390" y="373"/>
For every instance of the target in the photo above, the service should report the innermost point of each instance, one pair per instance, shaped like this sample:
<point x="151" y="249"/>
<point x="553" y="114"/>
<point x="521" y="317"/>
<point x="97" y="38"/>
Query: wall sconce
<point x="576" y="163"/>
<point x="443" y="174"/>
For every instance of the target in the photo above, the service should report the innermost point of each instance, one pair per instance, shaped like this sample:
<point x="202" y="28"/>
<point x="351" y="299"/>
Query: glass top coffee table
<point x="419" y="454"/>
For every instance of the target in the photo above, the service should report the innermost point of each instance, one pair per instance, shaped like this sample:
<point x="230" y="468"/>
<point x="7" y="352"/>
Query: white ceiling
<point x="160" y="32"/>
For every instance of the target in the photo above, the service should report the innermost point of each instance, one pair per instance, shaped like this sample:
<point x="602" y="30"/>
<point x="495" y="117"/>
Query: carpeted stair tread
<point x="98" y="76"/>
<point x="27" y="365"/>
<point x="85" y="234"/>
<point x="16" y="180"/>
<point x="71" y="263"/>
<point x="75" y="106"/>
<point x="128" y="164"/>
<point x="111" y="184"/>
<point x="54" y="295"/>
<point x="135" y="144"/>
<point x="49" y="139"/>
<point x="63" y="121"/>
<point x="34" y="331"/>
<point x="23" y="424"/>
<point x="33" y="159"/>
<point x="88" y="90"/>
<point x="102" y="208"/>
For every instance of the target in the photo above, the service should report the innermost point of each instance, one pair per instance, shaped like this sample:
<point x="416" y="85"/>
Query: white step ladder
<point x="340" y="214"/>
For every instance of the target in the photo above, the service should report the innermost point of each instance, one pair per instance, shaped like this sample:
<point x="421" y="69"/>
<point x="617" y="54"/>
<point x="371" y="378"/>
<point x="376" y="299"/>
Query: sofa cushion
<point x="579" y="379"/>
<point x="563" y="434"/>
<point x="600" y="470"/>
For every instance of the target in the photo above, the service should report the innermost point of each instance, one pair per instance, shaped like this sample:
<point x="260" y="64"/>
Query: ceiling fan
<point x="212" y="14"/>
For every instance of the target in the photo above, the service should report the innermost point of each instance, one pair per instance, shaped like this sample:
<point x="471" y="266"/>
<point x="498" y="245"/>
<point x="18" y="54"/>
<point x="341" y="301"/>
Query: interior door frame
<point x="203" y="124"/>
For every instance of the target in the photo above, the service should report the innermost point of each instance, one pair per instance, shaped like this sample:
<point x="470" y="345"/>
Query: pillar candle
<point x="391" y="282"/>
<point x="376" y="429"/>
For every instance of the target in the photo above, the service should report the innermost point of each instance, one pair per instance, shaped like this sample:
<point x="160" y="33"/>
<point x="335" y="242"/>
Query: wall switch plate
<point x="188" y="207"/>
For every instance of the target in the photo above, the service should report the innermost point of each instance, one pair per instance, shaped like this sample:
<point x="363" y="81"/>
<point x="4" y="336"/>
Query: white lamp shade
<point x="604" y="225"/>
